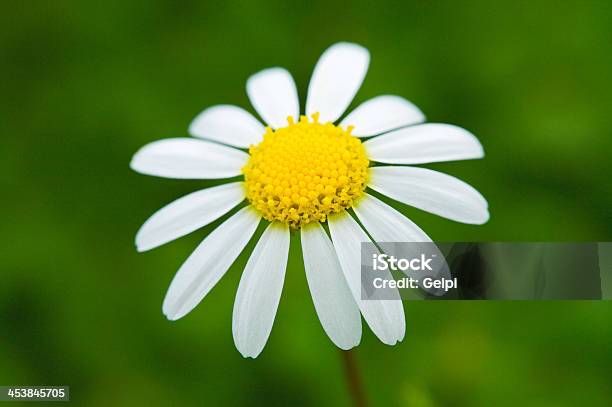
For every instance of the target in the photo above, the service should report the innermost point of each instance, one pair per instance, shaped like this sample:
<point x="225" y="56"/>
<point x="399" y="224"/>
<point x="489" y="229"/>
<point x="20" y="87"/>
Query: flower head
<point x="299" y="172"/>
<point x="304" y="172"/>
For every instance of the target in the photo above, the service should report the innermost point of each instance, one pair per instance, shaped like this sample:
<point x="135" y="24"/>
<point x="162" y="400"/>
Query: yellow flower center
<point x="304" y="172"/>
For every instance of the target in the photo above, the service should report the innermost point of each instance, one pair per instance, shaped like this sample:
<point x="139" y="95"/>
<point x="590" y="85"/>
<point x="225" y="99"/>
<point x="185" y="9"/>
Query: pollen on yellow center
<point x="304" y="172"/>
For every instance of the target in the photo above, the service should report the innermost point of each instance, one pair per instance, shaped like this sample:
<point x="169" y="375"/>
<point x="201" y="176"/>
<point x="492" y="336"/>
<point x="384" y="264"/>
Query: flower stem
<point x="353" y="378"/>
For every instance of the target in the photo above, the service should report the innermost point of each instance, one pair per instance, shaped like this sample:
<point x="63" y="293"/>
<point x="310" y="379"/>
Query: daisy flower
<point x="298" y="173"/>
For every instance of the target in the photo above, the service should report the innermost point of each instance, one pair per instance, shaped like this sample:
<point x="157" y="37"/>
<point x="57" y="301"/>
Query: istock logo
<point x="381" y="262"/>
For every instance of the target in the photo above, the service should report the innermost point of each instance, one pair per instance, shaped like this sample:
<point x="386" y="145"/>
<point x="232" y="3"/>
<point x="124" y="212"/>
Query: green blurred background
<point x="85" y="84"/>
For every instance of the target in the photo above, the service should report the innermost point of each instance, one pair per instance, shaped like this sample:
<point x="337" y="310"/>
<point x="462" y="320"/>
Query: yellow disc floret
<point x="304" y="172"/>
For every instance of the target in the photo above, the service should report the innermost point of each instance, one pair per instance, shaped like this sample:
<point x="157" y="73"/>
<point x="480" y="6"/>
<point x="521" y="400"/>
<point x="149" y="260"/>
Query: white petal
<point x="431" y="191"/>
<point x="385" y="224"/>
<point x="381" y="114"/>
<point x="336" y="79"/>
<point x="209" y="262"/>
<point x="260" y="290"/>
<point x="427" y="143"/>
<point x="274" y="96"/>
<point x="229" y="125"/>
<point x="331" y="295"/>
<point x="187" y="214"/>
<point x="187" y="158"/>
<point x="384" y="317"/>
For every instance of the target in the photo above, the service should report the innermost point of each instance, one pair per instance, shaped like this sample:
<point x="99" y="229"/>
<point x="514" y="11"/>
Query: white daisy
<point x="297" y="174"/>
